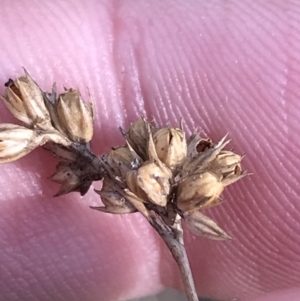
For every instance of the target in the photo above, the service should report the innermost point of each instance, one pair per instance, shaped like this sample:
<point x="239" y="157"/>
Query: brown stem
<point x="173" y="237"/>
<point x="88" y="156"/>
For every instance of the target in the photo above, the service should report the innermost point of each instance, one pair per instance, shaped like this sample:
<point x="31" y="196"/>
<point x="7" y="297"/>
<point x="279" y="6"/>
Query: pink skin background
<point x="225" y="67"/>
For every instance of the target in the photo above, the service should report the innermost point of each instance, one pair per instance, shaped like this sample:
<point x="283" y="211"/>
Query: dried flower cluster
<point x="64" y="121"/>
<point x="158" y="172"/>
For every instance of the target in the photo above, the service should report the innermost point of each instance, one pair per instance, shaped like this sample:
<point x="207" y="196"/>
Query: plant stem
<point x="173" y="237"/>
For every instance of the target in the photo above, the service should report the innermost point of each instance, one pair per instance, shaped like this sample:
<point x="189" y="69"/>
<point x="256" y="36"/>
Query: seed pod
<point x="71" y="178"/>
<point x="123" y="159"/>
<point x="137" y="136"/>
<point x="113" y="201"/>
<point x="17" y="141"/>
<point x="154" y="180"/>
<point x="75" y="116"/>
<point x="202" y="225"/>
<point x="170" y="145"/>
<point x="24" y="99"/>
<point x="199" y="162"/>
<point x="131" y="180"/>
<point x="198" y="190"/>
<point x="227" y="163"/>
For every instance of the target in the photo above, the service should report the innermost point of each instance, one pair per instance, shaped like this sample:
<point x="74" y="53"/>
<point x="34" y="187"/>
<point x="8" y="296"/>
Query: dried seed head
<point x="25" y="101"/>
<point x="190" y="174"/>
<point x="75" y="117"/>
<point x="170" y="145"/>
<point x="17" y="141"/>
<point x="157" y="172"/>
<point x="202" y="225"/>
<point x="148" y="180"/>
<point x="198" y="191"/>
<point x="65" y="123"/>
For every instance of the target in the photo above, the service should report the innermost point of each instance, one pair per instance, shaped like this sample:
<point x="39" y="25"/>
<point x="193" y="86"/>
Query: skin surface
<point x="224" y="66"/>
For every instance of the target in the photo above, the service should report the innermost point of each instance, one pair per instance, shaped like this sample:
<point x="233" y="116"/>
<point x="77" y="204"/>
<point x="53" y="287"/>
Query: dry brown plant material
<point x="64" y="122"/>
<point x="157" y="172"/>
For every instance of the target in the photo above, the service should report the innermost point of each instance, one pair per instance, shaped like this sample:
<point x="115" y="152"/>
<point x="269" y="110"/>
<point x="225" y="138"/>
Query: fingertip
<point x="288" y="295"/>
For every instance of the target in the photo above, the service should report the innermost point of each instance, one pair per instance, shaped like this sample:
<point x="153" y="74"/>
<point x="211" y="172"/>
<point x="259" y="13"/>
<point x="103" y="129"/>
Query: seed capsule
<point x="227" y="163"/>
<point x="113" y="201"/>
<point x="25" y="101"/>
<point x="75" y="116"/>
<point x="71" y="177"/>
<point x="170" y="145"/>
<point x="154" y="180"/>
<point x="198" y="190"/>
<point x="137" y="137"/>
<point x="132" y="183"/>
<point x="17" y="141"/>
<point x="122" y="159"/>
